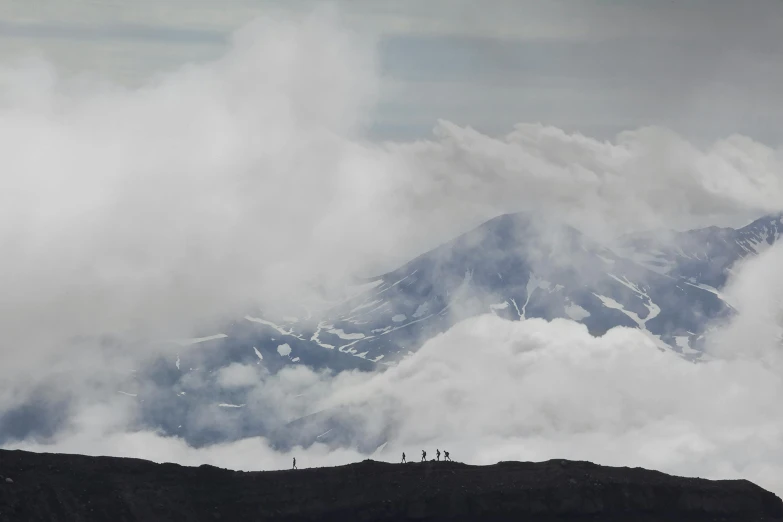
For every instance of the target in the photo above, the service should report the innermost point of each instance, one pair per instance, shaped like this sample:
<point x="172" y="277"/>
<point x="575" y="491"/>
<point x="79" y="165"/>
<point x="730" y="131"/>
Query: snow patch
<point x="576" y="312"/>
<point x="272" y="325"/>
<point x="316" y="339"/>
<point x="346" y="336"/>
<point x="517" y="308"/>
<point x="421" y="310"/>
<point x="684" y="344"/>
<point x="284" y="350"/>
<point x="398" y="282"/>
<point x="196" y="340"/>
<point x="712" y="290"/>
<point x="653" y="310"/>
<point x="605" y="259"/>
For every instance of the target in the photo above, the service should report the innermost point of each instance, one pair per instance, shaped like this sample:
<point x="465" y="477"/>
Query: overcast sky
<point x="162" y="212"/>
<point x="705" y="68"/>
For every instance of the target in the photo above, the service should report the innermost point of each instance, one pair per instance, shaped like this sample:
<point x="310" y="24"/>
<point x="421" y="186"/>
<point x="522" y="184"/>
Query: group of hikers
<point x="423" y="457"/>
<point x="437" y="455"/>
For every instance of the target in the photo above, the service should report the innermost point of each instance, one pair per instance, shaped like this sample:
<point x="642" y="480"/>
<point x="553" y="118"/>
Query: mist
<point x="135" y="215"/>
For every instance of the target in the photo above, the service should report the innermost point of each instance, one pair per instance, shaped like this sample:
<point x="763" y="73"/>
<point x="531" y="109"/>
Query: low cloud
<point x="237" y="375"/>
<point x="491" y="389"/>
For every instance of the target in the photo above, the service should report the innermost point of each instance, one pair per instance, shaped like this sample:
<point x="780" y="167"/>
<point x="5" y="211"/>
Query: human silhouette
<point x="423" y="455"/>
<point x="446" y="455"/>
<point x="437" y="454"/>
<point x="403" y="457"/>
<point x="295" y="463"/>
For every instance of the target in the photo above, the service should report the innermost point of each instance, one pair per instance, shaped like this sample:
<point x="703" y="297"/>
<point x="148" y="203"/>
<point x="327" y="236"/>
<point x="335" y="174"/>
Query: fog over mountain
<point x="221" y="266"/>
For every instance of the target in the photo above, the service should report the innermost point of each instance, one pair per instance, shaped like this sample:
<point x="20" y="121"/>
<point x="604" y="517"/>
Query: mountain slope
<point x="702" y="256"/>
<point x="515" y="266"/>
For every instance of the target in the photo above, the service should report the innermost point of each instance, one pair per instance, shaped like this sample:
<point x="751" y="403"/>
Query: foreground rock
<point x="53" y="487"/>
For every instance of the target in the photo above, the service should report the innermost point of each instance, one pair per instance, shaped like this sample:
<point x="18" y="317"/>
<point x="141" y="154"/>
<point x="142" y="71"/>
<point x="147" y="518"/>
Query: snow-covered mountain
<point x="702" y="256"/>
<point x="518" y="267"/>
<point x="515" y="266"/>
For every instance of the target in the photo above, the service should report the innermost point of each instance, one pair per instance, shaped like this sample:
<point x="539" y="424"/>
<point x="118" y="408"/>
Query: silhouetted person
<point x="446" y="455"/>
<point x="403" y="457"/>
<point x="295" y="463"/>
<point x="423" y="455"/>
<point x="437" y="454"/>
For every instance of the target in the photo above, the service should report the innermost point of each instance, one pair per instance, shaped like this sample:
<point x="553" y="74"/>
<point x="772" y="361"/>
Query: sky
<point x="704" y="68"/>
<point x="168" y="164"/>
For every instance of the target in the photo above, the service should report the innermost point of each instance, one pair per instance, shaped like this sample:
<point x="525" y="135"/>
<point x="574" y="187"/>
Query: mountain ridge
<point x="41" y="487"/>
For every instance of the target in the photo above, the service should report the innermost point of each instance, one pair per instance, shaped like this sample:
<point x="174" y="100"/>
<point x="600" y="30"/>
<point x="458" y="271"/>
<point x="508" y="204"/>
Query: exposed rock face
<point x="52" y="487"/>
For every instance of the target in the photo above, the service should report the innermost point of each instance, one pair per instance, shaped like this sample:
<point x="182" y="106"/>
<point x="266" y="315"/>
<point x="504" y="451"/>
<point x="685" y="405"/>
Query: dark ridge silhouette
<point x="54" y="487"/>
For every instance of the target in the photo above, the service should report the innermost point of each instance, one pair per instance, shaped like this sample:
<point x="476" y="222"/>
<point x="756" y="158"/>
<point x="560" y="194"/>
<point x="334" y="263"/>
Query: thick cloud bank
<point x="158" y="212"/>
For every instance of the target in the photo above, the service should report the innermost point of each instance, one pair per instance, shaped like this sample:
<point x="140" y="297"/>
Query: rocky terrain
<point x="53" y="487"/>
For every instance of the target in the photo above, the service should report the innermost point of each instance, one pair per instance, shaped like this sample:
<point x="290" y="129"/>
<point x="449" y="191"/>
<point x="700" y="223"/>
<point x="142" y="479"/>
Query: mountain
<point x="703" y="256"/>
<point x="517" y="266"/>
<point x="666" y="284"/>
<point x="42" y="487"/>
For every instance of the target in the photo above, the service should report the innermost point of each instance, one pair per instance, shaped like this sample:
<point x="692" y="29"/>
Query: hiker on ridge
<point x="294" y="463"/>
<point x="423" y="455"/>
<point x="446" y="456"/>
<point x="437" y="453"/>
<point x="403" y="458"/>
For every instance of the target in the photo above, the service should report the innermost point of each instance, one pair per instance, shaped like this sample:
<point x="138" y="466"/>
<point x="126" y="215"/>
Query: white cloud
<point x="758" y="292"/>
<point x="135" y="210"/>
<point x="141" y="213"/>
<point x="237" y="375"/>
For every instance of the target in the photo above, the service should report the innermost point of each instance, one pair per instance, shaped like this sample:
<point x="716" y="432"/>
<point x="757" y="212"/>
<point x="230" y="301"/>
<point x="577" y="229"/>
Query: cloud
<point x="758" y="292"/>
<point x="131" y="215"/>
<point x="705" y="69"/>
<point x="491" y="389"/>
<point x="237" y="375"/>
<point x="135" y="210"/>
<point x="647" y="178"/>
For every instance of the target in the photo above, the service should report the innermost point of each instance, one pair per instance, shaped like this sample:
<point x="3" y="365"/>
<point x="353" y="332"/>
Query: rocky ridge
<point x="54" y="487"/>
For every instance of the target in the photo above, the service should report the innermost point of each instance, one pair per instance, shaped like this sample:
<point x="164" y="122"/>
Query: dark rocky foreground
<point x="53" y="487"/>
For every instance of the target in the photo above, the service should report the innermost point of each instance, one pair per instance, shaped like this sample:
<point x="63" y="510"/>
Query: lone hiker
<point x="446" y="455"/>
<point x="403" y="458"/>
<point x="423" y="455"/>
<point x="295" y="463"/>
<point x="437" y="453"/>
